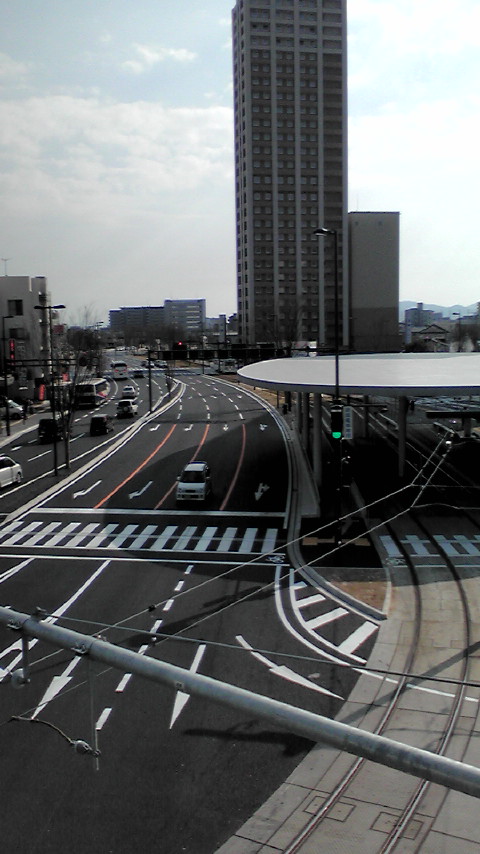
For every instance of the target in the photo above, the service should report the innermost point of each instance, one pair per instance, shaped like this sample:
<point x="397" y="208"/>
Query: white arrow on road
<point x="188" y="428"/>
<point x="182" y="697"/>
<point x="86" y="491"/>
<point x="262" y="487"/>
<point x="263" y="426"/>
<point x="225" y="426"/>
<point x="57" y="684"/>
<point x="140" y="491"/>
<point x="285" y="672"/>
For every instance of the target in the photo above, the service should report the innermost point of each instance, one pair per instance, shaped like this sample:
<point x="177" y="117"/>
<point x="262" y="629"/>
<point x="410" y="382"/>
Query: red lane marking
<point x="237" y="471"/>
<point x="139" y="468"/>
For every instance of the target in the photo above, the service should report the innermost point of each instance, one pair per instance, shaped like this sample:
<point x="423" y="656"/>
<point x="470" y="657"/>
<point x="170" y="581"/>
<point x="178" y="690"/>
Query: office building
<point x="374" y="281"/>
<point x="290" y="105"/>
<point x="185" y="318"/>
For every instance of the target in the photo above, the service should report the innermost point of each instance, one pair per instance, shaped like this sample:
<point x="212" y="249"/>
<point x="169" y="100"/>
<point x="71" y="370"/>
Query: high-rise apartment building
<point x="289" y="69"/>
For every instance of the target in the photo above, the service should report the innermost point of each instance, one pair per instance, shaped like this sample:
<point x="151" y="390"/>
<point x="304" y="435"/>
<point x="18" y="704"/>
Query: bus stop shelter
<point x="405" y="376"/>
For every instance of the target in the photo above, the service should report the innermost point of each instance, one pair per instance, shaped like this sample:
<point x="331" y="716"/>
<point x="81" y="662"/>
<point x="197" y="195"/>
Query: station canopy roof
<point x="391" y="374"/>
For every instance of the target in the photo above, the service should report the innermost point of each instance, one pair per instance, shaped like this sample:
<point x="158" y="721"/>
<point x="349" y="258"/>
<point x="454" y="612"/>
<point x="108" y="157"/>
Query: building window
<point x="15" y="307"/>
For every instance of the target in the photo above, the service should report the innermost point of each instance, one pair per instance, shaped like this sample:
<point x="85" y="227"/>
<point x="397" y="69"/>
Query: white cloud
<point x="87" y="152"/>
<point x="11" y="71"/>
<point x="148" y="56"/>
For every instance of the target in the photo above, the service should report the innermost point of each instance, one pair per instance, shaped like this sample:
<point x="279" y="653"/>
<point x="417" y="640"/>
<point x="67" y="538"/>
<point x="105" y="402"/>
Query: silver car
<point x="10" y="471"/>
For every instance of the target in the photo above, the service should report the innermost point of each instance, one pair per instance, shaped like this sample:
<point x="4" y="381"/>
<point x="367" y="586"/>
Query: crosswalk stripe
<point x="11" y="541"/>
<point x="206" y="539"/>
<point x="101" y="536"/>
<point x="83" y="534"/>
<point x="269" y="540"/>
<point x="122" y="536"/>
<point x="35" y="538"/>
<point x="357" y="637"/>
<point x="248" y="540"/>
<point x="142" y="538"/>
<point x="72" y="526"/>
<point x="183" y="540"/>
<point x="193" y="538"/>
<point x="227" y="540"/>
<point x="310" y="600"/>
<point x="160" y="541"/>
<point x="322" y="620"/>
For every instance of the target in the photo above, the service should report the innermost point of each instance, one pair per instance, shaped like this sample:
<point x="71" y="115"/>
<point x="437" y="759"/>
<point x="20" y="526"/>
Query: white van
<point x="194" y="483"/>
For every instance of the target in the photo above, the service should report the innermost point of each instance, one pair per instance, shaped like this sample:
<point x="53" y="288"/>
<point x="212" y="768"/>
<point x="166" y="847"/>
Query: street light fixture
<point x="7" y="408"/>
<point x="49" y="309"/>
<point x="336" y="408"/>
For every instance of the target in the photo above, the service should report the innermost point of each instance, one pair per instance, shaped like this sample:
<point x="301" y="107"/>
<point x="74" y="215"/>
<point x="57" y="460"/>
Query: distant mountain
<point x="445" y="311"/>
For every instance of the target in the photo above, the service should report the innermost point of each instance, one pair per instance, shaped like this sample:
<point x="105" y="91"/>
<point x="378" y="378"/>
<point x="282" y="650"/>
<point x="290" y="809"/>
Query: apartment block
<point x="290" y="107"/>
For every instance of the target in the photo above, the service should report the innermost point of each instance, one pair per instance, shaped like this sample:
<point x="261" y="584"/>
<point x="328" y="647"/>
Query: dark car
<point x="138" y="373"/>
<point x="100" y="425"/>
<point x="50" y="430"/>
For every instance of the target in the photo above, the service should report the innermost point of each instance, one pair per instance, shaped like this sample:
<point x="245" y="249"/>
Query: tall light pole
<point x="49" y="309"/>
<point x="336" y="410"/>
<point x="457" y="314"/>
<point x="323" y="232"/>
<point x="7" y="407"/>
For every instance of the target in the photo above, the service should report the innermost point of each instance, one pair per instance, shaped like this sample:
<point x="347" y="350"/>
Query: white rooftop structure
<point x="396" y="374"/>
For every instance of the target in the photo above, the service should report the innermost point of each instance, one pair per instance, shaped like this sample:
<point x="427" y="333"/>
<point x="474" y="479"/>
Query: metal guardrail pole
<point x="410" y="760"/>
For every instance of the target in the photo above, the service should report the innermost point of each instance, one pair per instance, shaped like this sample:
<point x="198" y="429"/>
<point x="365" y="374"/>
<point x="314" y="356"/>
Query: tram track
<point x="433" y="719"/>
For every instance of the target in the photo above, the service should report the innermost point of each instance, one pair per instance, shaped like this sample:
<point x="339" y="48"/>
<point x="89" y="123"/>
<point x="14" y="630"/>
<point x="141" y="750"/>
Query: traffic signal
<point x="336" y="422"/>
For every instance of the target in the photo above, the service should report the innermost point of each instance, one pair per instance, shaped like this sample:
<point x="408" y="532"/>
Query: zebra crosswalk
<point x="239" y="539"/>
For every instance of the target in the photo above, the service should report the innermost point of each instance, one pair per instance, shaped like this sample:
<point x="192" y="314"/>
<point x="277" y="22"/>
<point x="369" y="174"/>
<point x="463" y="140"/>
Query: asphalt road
<point x="106" y="551"/>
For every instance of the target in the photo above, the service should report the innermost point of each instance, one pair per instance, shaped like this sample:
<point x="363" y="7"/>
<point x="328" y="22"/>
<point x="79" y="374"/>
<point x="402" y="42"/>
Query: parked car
<point x="129" y="393"/>
<point x="15" y="411"/>
<point x="194" y="483"/>
<point x="100" y="425"/>
<point x="126" y="409"/>
<point x="10" y="471"/>
<point x="50" y="429"/>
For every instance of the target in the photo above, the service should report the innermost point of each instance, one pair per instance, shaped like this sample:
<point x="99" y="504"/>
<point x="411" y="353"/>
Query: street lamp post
<point x="457" y="314"/>
<point x="49" y="309"/>
<point x="7" y="408"/>
<point x="332" y="232"/>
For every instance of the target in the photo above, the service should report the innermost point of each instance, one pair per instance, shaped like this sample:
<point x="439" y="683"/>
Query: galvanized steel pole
<point x="393" y="754"/>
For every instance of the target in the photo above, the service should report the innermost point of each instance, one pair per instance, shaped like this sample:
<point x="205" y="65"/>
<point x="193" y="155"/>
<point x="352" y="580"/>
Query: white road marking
<point x="248" y="538"/>
<point x="140" y="491"/>
<point x="123" y="683"/>
<point x="9" y="573"/>
<point x="269" y="540"/>
<point x="182" y="697"/>
<point x="358" y="637"/>
<point x="323" y="619"/>
<point x="262" y="487"/>
<point x="286" y="672"/>
<point x="142" y="538"/>
<point x="57" y="684"/>
<point x="206" y="539"/>
<point x="17" y="645"/>
<point x="227" y="540"/>
<point x="103" y="719"/>
<point x="86" y="491"/>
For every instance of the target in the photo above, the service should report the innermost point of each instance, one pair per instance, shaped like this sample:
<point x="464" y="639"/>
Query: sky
<point x="116" y="146"/>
